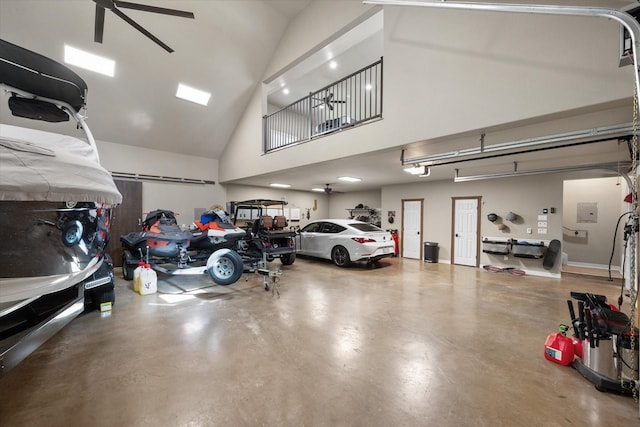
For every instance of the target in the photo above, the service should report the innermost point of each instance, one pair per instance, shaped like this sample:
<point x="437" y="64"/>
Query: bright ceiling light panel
<point x="89" y="61"/>
<point x="416" y="170"/>
<point x="191" y="94"/>
<point x="275" y="184"/>
<point x="319" y="190"/>
<point x="349" y="179"/>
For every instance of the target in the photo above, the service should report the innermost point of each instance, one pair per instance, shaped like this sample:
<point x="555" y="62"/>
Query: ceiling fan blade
<point x="99" y="26"/>
<point x="154" y="9"/>
<point x="138" y="27"/>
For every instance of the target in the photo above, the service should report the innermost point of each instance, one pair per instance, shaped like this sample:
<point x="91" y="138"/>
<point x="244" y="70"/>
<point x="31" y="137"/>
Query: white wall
<point x="525" y="196"/>
<point x="340" y="202"/>
<point x="593" y="248"/>
<point x="448" y="72"/>
<point x="181" y="198"/>
<point x="317" y="204"/>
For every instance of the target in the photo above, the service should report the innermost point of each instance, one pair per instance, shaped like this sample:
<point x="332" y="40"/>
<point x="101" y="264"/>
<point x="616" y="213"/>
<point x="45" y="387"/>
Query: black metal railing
<point x="353" y="100"/>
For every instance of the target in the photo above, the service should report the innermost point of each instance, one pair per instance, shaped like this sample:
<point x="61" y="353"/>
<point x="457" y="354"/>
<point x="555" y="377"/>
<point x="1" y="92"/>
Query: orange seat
<point x="266" y="222"/>
<point x="280" y="221"/>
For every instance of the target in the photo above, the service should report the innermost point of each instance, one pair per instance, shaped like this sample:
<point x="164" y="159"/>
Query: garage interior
<point x="528" y="116"/>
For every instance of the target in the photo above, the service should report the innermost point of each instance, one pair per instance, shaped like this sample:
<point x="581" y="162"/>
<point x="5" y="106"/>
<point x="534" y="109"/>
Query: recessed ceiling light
<point x="319" y="190"/>
<point x="285" y="91"/>
<point x="333" y="65"/>
<point x="191" y="94"/>
<point x="421" y="171"/>
<point x="275" y="184"/>
<point x="349" y="179"/>
<point x="89" y="61"/>
<point x="416" y="170"/>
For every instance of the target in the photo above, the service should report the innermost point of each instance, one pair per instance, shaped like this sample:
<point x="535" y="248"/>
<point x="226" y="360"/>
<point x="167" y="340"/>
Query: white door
<point x="466" y="232"/>
<point x="411" y="228"/>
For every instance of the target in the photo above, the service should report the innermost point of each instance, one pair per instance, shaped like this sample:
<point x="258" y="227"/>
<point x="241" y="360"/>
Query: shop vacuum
<point x="604" y="346"/>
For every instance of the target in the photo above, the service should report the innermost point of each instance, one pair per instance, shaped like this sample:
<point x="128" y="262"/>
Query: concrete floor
<point x="406" y="344"/>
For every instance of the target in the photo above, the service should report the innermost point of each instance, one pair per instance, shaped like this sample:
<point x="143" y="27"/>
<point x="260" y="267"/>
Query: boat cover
<point x="44" y="166"/>
<point x="31" y="72"/>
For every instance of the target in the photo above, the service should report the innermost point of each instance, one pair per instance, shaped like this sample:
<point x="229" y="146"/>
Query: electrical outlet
<point x="542" y="231"/>
<point x="542" y="224"/>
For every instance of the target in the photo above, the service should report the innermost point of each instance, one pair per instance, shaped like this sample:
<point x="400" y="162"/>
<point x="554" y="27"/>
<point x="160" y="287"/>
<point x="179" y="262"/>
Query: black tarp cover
<point x="41" y="76"/>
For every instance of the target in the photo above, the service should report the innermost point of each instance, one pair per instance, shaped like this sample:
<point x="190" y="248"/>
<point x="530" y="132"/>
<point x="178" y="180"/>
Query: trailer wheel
<point x="225" y="266"/>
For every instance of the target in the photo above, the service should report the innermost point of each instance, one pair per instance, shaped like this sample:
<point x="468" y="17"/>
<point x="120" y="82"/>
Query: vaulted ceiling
<point x="225" y="50"/>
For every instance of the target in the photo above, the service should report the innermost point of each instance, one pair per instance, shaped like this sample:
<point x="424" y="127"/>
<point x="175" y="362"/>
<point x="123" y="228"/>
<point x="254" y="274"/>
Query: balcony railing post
<point x="310" y="118"/>
<point x="265" y="134"/>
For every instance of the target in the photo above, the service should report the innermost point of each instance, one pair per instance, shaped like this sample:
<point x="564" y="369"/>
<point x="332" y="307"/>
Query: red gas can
<point x="577" y="347"/>
<point x="559" y="348"/>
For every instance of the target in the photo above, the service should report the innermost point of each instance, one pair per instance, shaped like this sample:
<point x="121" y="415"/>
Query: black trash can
<point x="430" y="252"/>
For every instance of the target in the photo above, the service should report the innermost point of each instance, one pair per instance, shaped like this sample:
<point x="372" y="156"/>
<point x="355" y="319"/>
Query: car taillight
<point x="362" y="240"/>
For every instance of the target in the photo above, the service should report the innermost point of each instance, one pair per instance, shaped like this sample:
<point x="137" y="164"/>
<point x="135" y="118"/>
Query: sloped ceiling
<point x="224" y="50"/>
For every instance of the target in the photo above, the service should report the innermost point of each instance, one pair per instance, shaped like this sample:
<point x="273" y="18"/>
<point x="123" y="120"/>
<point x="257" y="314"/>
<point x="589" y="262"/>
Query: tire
<point x="287" y="259"/>
<point x="127" y="269"/>
<point x="340" y="256"/>
<point x="72" y="233"/>
<point x="225" y="266"/>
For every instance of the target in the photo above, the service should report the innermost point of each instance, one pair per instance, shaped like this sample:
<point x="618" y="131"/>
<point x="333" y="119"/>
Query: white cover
<point x="44" y="166"/>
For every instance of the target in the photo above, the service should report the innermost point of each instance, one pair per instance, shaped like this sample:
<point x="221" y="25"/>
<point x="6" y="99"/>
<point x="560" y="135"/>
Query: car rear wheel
<point x="340" y="256"/>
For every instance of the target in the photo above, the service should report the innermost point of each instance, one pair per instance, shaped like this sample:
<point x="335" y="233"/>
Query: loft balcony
<point x="352" y="101"/>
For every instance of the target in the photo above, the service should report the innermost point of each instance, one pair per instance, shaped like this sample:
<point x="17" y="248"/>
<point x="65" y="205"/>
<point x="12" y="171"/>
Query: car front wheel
<point x="340" y="256"/>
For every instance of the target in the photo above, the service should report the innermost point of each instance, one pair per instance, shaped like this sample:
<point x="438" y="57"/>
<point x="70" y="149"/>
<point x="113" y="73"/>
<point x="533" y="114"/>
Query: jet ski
<point x="214" y="231"/>
<point x="162" y="241"/>
<point x="160" y="238"/>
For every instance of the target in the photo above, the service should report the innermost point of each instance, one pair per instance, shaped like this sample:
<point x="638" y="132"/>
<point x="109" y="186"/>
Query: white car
<point x="344" y="240"/>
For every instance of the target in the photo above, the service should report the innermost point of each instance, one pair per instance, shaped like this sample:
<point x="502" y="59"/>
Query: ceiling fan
<point x="113" y="5"/>
<point x="328" y="101"/>
<point x="329" y="190"/>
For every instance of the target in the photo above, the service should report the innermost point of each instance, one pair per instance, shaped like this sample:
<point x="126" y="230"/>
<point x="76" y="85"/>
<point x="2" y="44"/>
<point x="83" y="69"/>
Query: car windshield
<point x="364" y="226"/>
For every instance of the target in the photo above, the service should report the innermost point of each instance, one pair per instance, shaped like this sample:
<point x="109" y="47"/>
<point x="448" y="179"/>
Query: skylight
<point x="349" y="179"/>
<point x="89" y="61"/>
<point x="189" y="93"/>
